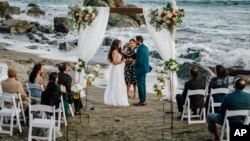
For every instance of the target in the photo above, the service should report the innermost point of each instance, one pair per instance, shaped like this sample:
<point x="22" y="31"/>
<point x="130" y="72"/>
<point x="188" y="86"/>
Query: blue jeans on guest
<point x="212" y="119"/>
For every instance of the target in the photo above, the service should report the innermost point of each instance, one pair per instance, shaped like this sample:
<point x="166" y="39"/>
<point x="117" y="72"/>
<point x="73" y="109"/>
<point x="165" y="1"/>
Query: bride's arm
<point x="116" y="61"/>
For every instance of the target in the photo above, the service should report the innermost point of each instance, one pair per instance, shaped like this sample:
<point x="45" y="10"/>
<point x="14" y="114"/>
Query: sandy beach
<point x="112" y="123"/>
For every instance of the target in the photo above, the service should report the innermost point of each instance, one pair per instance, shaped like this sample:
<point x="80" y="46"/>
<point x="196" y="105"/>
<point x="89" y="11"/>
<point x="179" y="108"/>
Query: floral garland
<point x="167" y="17"/>
<point x="80" y="65"/>
<point x="96" y="70"/>
<point x="90" y="79"/>
<point x="172" y="65"/>
<point x="81" y="16"/>
<point x="162" y="78"/>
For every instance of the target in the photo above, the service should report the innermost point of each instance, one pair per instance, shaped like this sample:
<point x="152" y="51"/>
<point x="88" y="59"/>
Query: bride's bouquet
<point x="96" y="70"/>
<point x="90" y="79"/>
<point x="76" y="89"/>
<point x="158" y="87"/>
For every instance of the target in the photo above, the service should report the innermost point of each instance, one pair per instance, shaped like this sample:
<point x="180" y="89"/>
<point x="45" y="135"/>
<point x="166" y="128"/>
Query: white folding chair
<point x="31" y="87"/>
<point x="19" y="102"/>
<point x="61" y="114"/>
<point x="43" y="122"/>
<point x="9" y="112"/>
<point x="225" y="127"/>
<point x="186" y="108"/>
<point x="211" y="103"/>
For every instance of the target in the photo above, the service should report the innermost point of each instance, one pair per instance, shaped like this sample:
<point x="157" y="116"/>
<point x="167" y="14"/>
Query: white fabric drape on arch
<point x="90" y="40"/>
<point x="165" y="44"/>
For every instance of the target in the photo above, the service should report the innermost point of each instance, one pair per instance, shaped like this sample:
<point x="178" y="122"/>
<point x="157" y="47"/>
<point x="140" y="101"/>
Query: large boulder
<point x="155" y="54"/>
<point x="35" y="12"/>
<point x="194" y="54"/>
<point x="135" y="16"/>
<point x="4" y="7"/>
<point x="107" y="41"/>
<point x="61" y="24"/>
<point x="205" y="73"/>
<point x="13" y="10"/>
<point x="118" y="20"/>
<point x="65" y="46"/>
<point x="118" y="3"/>
<point x="15" y="26"/>
<point x="32" y="5"/>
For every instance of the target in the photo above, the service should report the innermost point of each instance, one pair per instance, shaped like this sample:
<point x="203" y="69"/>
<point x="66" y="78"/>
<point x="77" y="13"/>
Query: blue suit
<point x="142" y="67"/>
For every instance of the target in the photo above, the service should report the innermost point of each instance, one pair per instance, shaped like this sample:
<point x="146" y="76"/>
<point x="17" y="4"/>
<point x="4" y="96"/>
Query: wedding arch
<point x="92" y="32"/>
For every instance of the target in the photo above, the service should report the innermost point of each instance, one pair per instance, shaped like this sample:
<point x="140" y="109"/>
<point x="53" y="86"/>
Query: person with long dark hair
<point x="220" y="81"/>
<point x="36" y="78"/>
<point x="52" y="94"/>
<point x="115" y="93"/>
<point x="129" y="72"/>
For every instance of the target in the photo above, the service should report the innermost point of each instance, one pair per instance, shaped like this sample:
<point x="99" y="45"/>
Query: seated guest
<point x="36" y="78"/>
<point x="220" y="81"/>
<point x="52" y="94"/>
<point x="193" y="84"/>
<point x="238" y="100"/>
<point x="12" y="85"/>
<point x="65" y="79"/>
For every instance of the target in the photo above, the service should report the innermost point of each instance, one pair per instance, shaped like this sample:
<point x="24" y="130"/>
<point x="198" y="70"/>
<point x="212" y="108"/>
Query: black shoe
<point x="140" y="104"/>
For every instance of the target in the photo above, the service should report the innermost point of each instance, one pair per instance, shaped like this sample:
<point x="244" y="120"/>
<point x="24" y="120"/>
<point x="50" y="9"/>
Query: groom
<point x="141" y="69"/>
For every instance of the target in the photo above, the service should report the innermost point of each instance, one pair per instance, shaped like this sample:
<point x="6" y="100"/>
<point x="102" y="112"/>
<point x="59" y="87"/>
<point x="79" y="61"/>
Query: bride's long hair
<point x="114" y="46"/>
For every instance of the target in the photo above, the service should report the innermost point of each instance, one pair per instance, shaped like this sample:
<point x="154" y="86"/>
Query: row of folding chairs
<point x="201" y="116"/>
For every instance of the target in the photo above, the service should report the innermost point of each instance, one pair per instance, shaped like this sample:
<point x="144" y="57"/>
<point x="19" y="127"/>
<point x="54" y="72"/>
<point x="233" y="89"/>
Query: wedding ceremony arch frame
<point x="92" y="36"/>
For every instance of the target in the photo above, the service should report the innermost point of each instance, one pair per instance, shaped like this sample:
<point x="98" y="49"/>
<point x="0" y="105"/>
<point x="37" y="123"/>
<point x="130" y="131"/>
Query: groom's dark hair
<point x="139" y="38"/>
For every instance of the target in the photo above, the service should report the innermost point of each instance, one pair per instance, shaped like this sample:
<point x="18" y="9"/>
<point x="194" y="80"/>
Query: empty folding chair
<point x="19" y="103"/>
<point x="186" y="108"/>
<point x="34" y="88"/>
<point x="226" y="126"/>
<point x="211" y="103"/>
<point x="61" y="114"/>
<point x="12" y="113"/>
<point x="44" y="122"/>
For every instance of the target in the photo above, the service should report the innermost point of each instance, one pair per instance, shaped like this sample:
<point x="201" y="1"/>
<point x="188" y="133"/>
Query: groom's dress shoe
<point x="140" y="104"/>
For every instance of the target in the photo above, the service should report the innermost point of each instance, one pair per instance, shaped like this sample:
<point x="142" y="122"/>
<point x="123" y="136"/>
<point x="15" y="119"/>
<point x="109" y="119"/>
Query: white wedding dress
<point x="116" y="93"/>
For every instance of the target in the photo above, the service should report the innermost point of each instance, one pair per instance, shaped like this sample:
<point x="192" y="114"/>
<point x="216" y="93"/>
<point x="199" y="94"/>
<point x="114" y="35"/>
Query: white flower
<point x="167" y="21"/>
<point x="83" y="8"/>
<point x="77" y="66"/>
<point x="78" y="6"/>
<point x="169" y="14"/>
<point x="96" y="68"/>
<point x="79" y="87"/>
<point x="159" y="86"/>
<point x="93" y="15"/>
<point x="90" y="9"/>
<point x="86" y="17"/>
<point x="171" y="67"/>
<point x="160" y="11"/>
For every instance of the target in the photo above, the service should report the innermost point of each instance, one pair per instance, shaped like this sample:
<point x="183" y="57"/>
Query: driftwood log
<point x="234" y="72"/>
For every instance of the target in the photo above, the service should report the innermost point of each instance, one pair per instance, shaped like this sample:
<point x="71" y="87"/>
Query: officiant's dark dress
<point x="129" y="68"/>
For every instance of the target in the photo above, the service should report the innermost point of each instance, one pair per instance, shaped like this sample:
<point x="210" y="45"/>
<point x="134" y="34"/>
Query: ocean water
<point x="219" y="27"/>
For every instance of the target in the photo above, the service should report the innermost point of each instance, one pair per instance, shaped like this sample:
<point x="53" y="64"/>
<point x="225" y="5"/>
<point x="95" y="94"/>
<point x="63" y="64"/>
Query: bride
<point x="115" y="93"/>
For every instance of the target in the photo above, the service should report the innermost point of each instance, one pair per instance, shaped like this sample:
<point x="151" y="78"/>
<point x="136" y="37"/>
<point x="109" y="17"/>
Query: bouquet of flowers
<point x="76" y="89"/>
<point x="162" y="78"/>
<point x="158" y="87"/>
<point x="96" y="70"/>
<point x="80" y="15"/>
<point x="80" y="65"/>
<point x="167" y="17"/>
<point x="172" y="65"/>
<point x="90" y="79"/>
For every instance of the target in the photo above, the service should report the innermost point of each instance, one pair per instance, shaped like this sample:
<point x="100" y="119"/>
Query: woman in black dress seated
<point x="129" y="67"/>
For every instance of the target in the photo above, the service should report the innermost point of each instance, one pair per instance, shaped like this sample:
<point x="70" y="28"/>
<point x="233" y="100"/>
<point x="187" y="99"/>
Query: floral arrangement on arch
<point x="82" y="16"/>
<point x="167" y="17"/>
<point x="172" y="65"/>
<point x="80" y="65"/>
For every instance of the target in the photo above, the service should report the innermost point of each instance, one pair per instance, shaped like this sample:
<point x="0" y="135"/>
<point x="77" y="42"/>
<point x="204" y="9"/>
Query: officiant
<point x="129" y="54"/>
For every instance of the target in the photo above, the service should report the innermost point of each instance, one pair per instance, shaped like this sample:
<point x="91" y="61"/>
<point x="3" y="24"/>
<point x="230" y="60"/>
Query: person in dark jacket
<point x="196" y="101"/>
<point x="238" y="100"/>
<point x="220" y="81"/>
